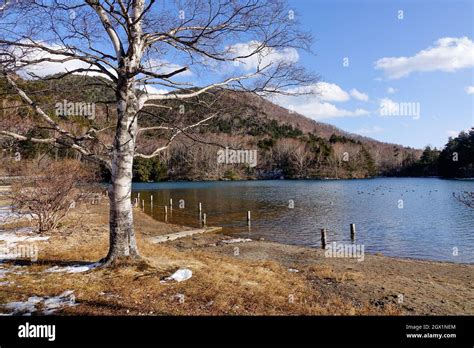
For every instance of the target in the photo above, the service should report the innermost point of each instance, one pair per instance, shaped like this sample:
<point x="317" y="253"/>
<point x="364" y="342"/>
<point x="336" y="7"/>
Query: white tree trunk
<point x="123" y="243"/>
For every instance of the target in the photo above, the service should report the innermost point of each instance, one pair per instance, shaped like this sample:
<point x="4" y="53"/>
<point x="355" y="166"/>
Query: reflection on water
<point x="406" y="217"/>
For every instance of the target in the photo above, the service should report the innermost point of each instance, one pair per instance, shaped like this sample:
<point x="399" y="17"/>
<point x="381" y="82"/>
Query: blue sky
<point x="400" y="71"/>
<point x="366" y="31"/>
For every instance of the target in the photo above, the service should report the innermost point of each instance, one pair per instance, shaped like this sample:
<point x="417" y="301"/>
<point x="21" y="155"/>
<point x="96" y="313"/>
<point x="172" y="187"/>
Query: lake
<point x="402" y="217"/>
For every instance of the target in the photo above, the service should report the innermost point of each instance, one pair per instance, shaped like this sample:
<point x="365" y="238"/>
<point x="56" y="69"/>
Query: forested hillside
<point x="455" y="160"/>
<point x="288" y="145"/>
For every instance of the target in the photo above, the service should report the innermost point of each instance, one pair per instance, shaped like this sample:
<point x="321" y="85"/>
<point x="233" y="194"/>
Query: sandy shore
<point x="237" y="277"/>
<point x="418" y="287"/>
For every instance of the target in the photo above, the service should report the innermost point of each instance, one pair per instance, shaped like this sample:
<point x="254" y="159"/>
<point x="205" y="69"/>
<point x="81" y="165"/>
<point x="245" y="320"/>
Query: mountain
<point x="287" y="144"/>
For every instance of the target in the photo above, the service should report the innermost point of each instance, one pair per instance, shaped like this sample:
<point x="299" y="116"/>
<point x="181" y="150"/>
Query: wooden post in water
<point x="353" y="232"/>
<point x="138" y="196"/>
<point x="204" y="220"/>
<point x="200" y="212"/>
<point x="248" y="218"/>
<point x="143" y="204"/>
<point x="323" y="238"/>
<point x="166" y="213"/>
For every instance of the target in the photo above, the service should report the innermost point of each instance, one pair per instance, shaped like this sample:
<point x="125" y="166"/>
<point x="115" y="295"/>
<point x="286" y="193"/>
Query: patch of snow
<point x="52" y="304"/>
<point x="236" y="240"/>
<point x="3" y="272"/>
<point x="49" y="304"/>
<point x="179" y="297"/>
<point x="180" y="275"/>
<point x="293" y="270"/>
<point x="73" y="269"/>
<point x="7" y="215"/>
<point x="21" y="307"/>
<point x="13" y="238"/>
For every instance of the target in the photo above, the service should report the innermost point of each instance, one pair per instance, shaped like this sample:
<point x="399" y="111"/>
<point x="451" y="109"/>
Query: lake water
<point x="403" y="217"/>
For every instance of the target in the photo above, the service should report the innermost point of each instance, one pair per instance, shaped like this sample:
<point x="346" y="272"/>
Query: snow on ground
<point x="6" y="283"/>
<point x="73" y="269"/>
<point x="14" y="270"/>
<point x="7" y="215"/>
<point x="23" y="235"/>
<point x="180" y="275"/>
<point x="48" y="305"/>
<point x="3" y="272"/>
<point x="236" y="240"/>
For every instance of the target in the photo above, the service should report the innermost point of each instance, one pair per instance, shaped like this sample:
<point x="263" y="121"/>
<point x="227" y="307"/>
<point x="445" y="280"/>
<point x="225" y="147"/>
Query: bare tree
<point x="145" y="51"/>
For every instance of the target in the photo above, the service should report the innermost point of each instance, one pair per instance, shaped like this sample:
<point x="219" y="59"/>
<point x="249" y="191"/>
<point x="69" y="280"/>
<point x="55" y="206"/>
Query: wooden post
<point x="353" y="231"/>
<point x="138" y="196"/>
<point x="323" y="238"/>
<point x="200" y="208"/>
<point x="151" y="199"/>
<point x="248" y="218"/>
<point x="166" y="213"/>
<point x="143" y="204"/>
<point x="204" y="220"/>
<point x="171" y="202"/>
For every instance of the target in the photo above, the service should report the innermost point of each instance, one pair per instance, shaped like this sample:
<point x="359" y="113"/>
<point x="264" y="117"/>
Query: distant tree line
<point x="455" y="160"/>
<point x="289" y="146"/>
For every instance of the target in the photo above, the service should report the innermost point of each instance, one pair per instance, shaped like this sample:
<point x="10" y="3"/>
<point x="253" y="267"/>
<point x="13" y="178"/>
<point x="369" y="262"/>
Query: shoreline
<point x="298" y="179"/>
<point x="229" y="277"/>
<point x="438" y="276"/>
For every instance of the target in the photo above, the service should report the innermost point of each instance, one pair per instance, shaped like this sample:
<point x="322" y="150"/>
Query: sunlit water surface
<point x="403" y="217"/>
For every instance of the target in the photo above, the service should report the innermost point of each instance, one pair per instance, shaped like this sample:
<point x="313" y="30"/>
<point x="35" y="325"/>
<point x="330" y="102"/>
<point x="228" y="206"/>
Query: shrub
<point x="48" y="192"/>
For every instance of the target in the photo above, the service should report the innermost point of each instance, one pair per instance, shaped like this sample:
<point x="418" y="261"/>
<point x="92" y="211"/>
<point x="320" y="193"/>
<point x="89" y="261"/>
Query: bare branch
<point x="170" y="140"/>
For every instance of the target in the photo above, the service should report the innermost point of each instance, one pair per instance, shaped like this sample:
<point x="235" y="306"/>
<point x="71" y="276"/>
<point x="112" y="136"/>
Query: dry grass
<point x="220" y="285"/>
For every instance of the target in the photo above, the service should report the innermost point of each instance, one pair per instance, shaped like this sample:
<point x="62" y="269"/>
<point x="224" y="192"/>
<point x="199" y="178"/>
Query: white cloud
<point x="321" y="110"/>
<point x="452" y="133"/>
<point x="46" y="68"/>
<point x="369" y="130"/>
<point x="266" y="56"/>
<point x="331" y="92"/>
<point x="323" y="91"/>
<point x="315" y="103"/>
<point x="391" y="90"/>
<point x="312" y="107"/>
<point x="359" y="95"/>
<point x="469" y="89"/>
<point x="448" y="54"/>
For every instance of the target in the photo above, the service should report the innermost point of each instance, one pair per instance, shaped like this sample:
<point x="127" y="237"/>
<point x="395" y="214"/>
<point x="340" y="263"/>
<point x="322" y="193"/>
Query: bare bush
<point x="48" y="192"/>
